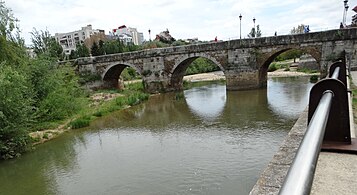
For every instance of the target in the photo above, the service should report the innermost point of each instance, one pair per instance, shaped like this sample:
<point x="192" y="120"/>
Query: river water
<point x="202" y="141"/>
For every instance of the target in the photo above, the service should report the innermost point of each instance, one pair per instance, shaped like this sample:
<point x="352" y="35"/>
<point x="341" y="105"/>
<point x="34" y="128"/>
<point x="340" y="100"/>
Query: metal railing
<point x="324" y="104"/>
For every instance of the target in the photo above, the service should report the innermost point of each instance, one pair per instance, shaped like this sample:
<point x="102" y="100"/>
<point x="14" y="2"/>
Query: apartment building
<point x="69" y="40"/>
<point x="128" y="35"/>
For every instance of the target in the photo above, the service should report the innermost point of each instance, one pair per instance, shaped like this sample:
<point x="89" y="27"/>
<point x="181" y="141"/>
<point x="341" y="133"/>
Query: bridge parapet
<point x="243" y="61"/>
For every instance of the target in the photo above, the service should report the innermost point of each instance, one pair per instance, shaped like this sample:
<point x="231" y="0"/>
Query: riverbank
<point x="104" y="99"/>
<point x="218" y="75"/>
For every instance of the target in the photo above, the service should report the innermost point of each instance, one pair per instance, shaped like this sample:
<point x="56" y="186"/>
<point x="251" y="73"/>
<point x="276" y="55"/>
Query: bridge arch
<point x="179" y="69"/>
<point x="268" y="58"/>
<point x="111" y="74"/>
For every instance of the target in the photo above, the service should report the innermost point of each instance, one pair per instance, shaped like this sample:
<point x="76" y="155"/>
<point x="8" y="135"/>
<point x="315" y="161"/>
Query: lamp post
<point x="345" y="11"/>
<point x="254" y="27"/>
<point x="149" y="35"/>
<point x="240" y="26"/>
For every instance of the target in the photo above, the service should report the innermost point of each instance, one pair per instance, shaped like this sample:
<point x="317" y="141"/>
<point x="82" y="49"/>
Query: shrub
<point x="272" y="67"/>
<point x="80" y="122"/>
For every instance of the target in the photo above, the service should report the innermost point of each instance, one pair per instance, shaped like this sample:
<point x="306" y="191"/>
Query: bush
<point x="272" y="67"/>
<point x="16" y="112"/>
<point x="201" y="65"/>
<point x="83" y="121"/>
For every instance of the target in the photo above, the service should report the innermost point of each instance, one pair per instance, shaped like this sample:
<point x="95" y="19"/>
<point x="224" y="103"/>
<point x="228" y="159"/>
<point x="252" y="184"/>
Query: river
<point x="204" y="140"/>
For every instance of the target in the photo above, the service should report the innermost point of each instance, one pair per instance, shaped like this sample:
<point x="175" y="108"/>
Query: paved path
<point x="336" y="173"/>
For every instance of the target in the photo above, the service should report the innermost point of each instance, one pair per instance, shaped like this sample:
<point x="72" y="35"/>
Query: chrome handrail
<point x="298" y="180"/>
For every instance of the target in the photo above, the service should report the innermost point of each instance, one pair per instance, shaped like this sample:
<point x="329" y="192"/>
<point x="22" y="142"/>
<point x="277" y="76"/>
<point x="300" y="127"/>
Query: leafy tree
<point x="259" y="32"/>
<point x="44" y="43"/>
<point x="15" y="112"/>
<point x="113" y="46"/>
<point x="81" y="51"/>
<point x="101" y="47"/>
<point x="11" y="44"/>
<point x="201" y="65"/>
<point x="290" y="54"/>
<point x="255" y="33"/>
<point x="298" y="30"/>
<point x="95" y="49"/>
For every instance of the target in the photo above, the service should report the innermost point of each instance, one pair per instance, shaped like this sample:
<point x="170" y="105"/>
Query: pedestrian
<point x="275" y="34"/>
<point x="341" y="25"/>
<point x="215" y="39"/>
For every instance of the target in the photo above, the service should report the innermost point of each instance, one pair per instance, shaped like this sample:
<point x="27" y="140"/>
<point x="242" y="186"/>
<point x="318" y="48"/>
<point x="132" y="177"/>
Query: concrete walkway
<point x="336" y="173"/>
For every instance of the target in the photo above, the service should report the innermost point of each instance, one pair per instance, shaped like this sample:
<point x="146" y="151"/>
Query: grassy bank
<point x="97" y="104"/>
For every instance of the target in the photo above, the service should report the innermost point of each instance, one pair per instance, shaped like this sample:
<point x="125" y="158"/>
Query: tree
<point x="81" y="51"/>
<point x="290" y="54"/>
<point x="11" y="44"/>
<point x="259" y="32"/>
<point x="95" y="49"/>
<point x="255" y="33"/>
<point x="298" y="30"/>
<point x="43" y="43"/>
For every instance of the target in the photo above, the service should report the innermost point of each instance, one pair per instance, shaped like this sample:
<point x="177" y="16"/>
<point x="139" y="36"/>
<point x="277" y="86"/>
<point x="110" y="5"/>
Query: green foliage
<point x="290" y="54"/>
<point x="44" y="43"/>
<point x="275" y="66"/>
<point x="272" y="67"/>
<point x="201" y="65"/>
<point x="15" y="112"/>
<point x="95" y="49"/>
<point x="314" y="78"/>
<point x="32" y="91"/>
<point x="129" y="74"/>
<point x="255" y="33"/>
<point x="87" y="76"/>
<point x="113" y="46"/>
<point x="81" y="51"/>
<point x="306" y="70"/>
<point x="83" y="121"/>
<point x="64" y="97"/>
<point x="298" y="30"/>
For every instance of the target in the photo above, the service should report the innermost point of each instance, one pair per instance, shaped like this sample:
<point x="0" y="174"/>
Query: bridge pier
<point x="244" y="80"/>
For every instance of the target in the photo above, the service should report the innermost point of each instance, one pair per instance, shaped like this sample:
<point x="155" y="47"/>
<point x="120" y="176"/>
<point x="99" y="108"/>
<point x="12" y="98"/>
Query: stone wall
<point x="244" y="61"/>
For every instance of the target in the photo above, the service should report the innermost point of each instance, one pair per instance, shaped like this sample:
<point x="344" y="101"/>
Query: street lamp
<point x="240" y="26"/>
<point x="345" y="12"/>
<point x="254" y="27"/>
<point x="149" y="35"/>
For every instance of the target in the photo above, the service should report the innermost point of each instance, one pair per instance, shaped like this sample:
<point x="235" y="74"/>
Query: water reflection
<point x="207" y="141"/>
<point x="288" y="97"/>
<point x="206" y="102"/>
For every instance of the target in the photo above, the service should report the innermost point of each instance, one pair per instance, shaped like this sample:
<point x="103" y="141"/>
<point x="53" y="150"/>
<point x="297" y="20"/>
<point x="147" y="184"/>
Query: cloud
<point x="204" y="19"/>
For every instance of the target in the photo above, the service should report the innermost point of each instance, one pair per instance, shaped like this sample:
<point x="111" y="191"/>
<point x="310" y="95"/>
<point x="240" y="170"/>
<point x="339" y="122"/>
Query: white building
<point x="122" y="32"/>
<point x="69" y="40"/>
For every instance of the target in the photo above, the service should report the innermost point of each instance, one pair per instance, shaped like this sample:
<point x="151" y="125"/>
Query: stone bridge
<point x="243" y="61"/>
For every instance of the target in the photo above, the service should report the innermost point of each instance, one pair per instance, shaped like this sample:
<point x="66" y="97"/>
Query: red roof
<point x="355" y="9"/>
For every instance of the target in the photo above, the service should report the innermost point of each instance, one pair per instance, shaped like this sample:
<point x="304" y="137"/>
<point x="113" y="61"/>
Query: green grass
<point x="305" y="70"/>
<point x="276" y="65"/>
<point x="133" y="94"/>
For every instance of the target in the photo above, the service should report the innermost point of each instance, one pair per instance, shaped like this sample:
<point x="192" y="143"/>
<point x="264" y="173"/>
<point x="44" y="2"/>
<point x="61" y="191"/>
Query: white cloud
<point x="204" y="19"/>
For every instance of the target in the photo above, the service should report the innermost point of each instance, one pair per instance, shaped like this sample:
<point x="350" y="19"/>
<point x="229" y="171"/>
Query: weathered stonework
<point x="244" y="62"/>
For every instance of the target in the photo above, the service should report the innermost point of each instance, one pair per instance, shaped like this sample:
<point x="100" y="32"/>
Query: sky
<point x="202" y="19"/>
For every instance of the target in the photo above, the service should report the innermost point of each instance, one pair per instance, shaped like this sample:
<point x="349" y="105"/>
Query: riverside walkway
<point x="336" y="173"/>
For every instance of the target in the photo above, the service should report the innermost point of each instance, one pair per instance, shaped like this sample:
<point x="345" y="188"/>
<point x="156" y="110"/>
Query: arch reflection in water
<point x="287" y="97"/>
<point x="206" y="102"/>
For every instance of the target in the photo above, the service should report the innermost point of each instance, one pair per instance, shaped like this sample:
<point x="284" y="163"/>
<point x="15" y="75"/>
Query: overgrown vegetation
<point x="133" y="94"/>
<point x="34" y="93"/>
<point x="275" y="66"/>
<point x="201" y="65"/>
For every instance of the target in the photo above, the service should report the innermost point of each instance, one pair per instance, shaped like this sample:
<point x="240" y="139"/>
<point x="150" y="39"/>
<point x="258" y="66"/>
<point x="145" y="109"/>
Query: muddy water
<point x="202" y="141"/>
